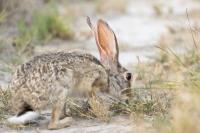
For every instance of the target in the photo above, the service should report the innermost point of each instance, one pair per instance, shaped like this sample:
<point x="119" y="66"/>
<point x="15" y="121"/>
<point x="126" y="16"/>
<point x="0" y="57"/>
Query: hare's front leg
<point x="57" y="121"/>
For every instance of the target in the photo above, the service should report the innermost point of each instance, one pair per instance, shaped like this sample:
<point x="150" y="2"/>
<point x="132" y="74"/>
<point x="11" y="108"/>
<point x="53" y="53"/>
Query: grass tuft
<point x="99" y="109"/>
<point x="4" y="98"/>
<point x="94" y="108"/>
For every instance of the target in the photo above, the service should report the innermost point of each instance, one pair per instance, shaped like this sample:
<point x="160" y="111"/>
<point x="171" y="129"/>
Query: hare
<point x="48" y="79"/>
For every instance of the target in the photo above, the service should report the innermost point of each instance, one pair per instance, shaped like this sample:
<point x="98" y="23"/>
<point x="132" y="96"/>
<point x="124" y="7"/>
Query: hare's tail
<point x="24" y="118"/>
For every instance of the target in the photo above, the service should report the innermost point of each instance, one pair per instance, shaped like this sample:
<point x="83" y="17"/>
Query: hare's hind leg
<point x="57" y="121"/>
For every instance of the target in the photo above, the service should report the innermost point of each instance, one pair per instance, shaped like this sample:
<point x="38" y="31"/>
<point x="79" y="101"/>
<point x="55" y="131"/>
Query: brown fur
<point x="40" y="81"/>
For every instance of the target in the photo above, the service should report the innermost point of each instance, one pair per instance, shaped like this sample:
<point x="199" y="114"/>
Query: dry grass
<point x="4" y="98"/>
<point x="149" y="102"/>
<point x="99" y="109"/>
<point x="79" y="108"/>
<point x="93" y="108"/>
<point x="186" y="113"/>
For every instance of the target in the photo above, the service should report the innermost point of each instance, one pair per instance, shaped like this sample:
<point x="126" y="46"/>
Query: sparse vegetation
<point x="183" y="70"/>
<point x="46" y="24"/>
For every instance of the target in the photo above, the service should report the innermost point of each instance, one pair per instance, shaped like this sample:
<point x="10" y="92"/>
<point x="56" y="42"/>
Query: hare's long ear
<point x="107" y="41"/>
<point x="107" y="44"/>
<point x="94" y="30"/>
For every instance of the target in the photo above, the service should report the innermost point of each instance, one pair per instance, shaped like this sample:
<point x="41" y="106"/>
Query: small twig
<point x="162" y="49"/>
<point x="176" y="56"/>
<point x="194" y="41"/>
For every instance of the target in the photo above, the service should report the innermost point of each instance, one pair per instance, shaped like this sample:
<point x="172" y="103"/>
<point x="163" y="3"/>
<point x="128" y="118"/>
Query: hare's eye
<point x="128" y="76"/>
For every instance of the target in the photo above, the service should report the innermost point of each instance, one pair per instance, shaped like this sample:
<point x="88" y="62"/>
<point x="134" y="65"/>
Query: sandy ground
<point x="123" y="124"/>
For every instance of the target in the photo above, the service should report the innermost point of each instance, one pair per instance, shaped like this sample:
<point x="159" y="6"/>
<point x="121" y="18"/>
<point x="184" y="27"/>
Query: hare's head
<point x="119" y="77"/>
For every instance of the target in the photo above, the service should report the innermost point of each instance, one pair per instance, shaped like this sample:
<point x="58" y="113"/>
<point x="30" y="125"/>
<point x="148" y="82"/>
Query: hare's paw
<point x="66" y="122"/>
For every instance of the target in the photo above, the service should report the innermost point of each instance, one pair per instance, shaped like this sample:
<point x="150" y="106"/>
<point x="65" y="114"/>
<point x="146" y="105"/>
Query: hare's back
<point x="48" y="66"/>
<point x="71" y="60"/>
